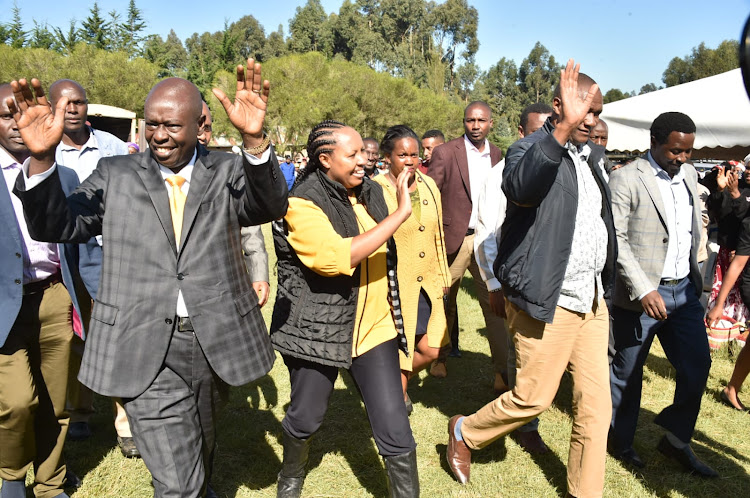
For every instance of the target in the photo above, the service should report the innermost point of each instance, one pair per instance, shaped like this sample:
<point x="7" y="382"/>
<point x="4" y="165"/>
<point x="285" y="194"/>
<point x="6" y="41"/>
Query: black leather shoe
<point x="686" y="457"/>
<point x="79" y="431"/>
<point x="72" y="480"/>
<point x="210" y="493"/>
<point x="629" y="457"/>
<point x="127" y="447"/>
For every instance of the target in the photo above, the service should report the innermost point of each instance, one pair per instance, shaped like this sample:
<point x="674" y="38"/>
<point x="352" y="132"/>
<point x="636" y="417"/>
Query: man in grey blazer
<point x="175" y="318"/>
<point x="657" y="214"/>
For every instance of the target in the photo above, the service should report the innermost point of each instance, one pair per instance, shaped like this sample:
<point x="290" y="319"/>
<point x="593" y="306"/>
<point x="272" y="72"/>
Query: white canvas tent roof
<point x="110" y="111"/>
<point x="719" y="106"/>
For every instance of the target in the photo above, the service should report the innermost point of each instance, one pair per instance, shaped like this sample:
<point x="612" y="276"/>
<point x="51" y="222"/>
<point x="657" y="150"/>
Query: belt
<point x="184" y="324"/>
<point x="41" y="285"/>
<point x="470" y="231"/>
<point x="670" y="282"/>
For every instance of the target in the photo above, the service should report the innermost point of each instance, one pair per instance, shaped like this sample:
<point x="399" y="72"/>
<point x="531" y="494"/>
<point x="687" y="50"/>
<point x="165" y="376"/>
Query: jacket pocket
<point x="246" y="302"/>
<point x="104" y="313"/>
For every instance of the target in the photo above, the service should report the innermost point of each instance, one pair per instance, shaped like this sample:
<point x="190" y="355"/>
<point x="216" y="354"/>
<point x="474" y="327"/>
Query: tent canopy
<point x="718" y="105"/>
<point x="110" y="111"/>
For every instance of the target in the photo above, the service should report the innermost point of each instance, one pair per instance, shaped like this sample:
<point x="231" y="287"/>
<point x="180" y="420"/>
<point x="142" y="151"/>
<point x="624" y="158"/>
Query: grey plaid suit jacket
<point x="641" y="228"/>
<point x="126" y="201"/>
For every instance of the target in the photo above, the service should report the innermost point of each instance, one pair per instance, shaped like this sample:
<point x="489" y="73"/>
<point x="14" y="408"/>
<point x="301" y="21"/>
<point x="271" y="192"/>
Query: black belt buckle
<point x="184" y="324"/>
<point x="670" y="282"/>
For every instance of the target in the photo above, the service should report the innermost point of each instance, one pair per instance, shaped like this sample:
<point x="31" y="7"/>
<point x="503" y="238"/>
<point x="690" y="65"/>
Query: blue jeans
<point x="683" y="337"/>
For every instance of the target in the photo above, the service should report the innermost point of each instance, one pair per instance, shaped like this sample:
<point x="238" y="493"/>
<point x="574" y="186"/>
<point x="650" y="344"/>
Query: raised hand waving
<point x="248" y="111"/>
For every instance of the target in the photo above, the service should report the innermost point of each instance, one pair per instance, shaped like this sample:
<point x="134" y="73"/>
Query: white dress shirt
<point x="678" y="208"/>
<point x="480" y="164"/>
<point x="491" y="207"/>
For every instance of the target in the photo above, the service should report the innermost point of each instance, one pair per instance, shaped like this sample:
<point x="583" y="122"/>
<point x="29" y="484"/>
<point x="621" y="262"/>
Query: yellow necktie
<point x="177" y="204"/>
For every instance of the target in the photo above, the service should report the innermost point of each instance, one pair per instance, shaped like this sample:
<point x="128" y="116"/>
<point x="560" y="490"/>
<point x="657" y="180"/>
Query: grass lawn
<point x="344" y="460"/>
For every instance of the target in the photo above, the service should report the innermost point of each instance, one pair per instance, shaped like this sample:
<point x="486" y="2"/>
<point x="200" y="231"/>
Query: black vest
<point x="314" y="316"/>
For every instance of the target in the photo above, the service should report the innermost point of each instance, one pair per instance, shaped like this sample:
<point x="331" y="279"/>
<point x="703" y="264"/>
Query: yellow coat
<point x="422" y="263"/>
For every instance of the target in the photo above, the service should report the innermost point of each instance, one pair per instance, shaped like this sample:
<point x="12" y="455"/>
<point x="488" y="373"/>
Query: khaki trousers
<point x="33" y="383"/>
<point x="497" y="336"/>
<point x="578" y="342"/>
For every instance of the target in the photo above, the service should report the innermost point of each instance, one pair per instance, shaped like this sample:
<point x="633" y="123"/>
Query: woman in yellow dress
<point x="337" y="304"/>
<point x="423" y="275"/>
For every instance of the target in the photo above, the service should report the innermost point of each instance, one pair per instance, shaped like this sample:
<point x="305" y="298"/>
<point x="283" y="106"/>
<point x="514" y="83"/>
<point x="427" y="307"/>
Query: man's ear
<point x="557" y="106"/>
<point x="201" y="121"/>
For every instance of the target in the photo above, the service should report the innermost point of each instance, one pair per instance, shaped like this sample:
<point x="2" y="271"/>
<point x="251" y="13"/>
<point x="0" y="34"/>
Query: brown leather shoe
<point x="438" y="369"/>
<point x="458" y="454"/>
<point x="531" y="442"/>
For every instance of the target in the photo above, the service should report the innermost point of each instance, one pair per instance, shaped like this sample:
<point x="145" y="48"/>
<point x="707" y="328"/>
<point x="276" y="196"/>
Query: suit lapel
<point x="649" y="182"/>
<point x="463" y="164"/>
<point x="154" y="183"/>
<point x="203" y="172"/>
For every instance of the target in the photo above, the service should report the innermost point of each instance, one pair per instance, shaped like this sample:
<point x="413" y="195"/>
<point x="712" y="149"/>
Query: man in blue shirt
<point x="287" y="168"/>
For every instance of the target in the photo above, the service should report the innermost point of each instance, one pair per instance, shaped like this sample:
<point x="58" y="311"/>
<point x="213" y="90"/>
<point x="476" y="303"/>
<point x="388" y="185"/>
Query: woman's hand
<point x="714" y="315"/>
<point x="402" y="194"/>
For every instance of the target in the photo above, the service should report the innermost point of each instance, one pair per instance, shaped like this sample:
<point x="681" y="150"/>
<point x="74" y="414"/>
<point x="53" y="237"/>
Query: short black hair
<point x="396" y="133"/>
<point x="668" y="122"/>
<point x="434" y="134"/>
<point x="478" y="103"/>
<point x="537" y="108"/>
<point x="584" y="80"/>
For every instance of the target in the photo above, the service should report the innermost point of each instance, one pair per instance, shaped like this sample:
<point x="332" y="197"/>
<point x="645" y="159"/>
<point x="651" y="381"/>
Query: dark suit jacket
<point x="450" y="170"/>
<point x="11" y="262"/>
<point x="126" y="201"/>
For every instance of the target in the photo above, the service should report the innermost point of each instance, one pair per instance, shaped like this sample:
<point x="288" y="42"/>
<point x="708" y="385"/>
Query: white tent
<point x="719" y="106"/>
<point x="120" y="122"/>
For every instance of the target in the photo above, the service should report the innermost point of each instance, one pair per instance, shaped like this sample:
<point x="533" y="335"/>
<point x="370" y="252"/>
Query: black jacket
<point x="540" y="183"/>
<point x="728" y="214"/>
<point x="314" y="316"/>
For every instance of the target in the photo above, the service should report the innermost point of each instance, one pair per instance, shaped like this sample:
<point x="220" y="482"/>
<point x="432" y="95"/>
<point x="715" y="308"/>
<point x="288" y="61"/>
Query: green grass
<point x="344" y="460"/>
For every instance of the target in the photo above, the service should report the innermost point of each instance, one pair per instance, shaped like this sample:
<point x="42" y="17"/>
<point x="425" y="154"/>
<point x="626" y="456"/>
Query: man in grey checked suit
<point x="657" y="214"/>
<point x="175" y="316"/>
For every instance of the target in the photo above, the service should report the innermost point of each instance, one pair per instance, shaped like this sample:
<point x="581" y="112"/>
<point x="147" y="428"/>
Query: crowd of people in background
<point x="139" y="275"/>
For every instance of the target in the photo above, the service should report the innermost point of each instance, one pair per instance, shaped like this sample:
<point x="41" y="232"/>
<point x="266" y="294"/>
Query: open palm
<point x="40" y="128"/>
<point x="248" y="111"/>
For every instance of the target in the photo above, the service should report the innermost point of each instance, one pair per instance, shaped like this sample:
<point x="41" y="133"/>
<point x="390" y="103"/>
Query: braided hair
<point x="320" y="141"/>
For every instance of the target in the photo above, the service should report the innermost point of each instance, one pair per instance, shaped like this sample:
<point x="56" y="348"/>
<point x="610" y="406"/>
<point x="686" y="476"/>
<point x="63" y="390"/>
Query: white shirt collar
<point x="659" y="171"/>
<point x="470" y="146"/>
<point x="186" y="172"/>
<point x="6" y="160"/>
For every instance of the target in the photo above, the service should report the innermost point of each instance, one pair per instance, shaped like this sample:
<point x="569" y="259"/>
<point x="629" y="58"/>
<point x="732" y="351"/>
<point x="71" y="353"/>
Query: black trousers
<point x="173" y="421"/>
<point x="378" y="378"/>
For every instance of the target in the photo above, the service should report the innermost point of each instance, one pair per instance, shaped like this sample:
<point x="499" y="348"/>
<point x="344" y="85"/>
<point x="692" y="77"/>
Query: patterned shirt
<point x="588" y="252"/>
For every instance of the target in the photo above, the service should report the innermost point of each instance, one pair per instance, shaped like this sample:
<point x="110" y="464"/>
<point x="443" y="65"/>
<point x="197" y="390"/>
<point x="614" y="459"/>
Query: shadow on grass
<point x="84" y="456"/>
<point x="666" y="478"/>
<point x="246" y="458"/>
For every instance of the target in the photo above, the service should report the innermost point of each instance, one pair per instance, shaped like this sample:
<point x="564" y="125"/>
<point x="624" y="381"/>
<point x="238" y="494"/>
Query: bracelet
<point x="260" y="149"/>
<point x="496" y="290"/>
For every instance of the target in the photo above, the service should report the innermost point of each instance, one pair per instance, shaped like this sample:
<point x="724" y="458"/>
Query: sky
<point x="622" y="44"/>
